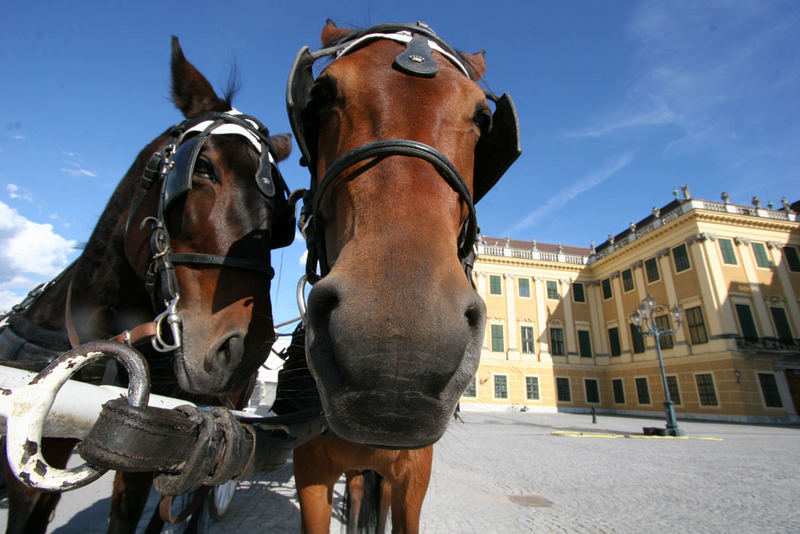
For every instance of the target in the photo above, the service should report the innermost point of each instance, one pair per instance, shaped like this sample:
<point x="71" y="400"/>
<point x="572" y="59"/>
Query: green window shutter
<point x="613" y="341"/>
<point x="728" y="254"/>
<point x="495" y="285"/>
<point x="619" y="391"/>
<point x="651" y="268"/>
<point x="681" y="257"/>
<point x="585" y="343"/>
<point x="524" y="287"/>
<point x="746" y="322"/>
<point x="792" y="258"/>
<point x="637" y="338"/>
<point x="760" y="253"/>
<point x="497" y="338"/>
<point x="782" y="324"/>
<point x="577" y="292"/>
<point x="606" y="288"/>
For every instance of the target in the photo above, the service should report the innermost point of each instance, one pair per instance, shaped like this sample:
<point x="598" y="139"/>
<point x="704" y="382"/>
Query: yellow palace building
<point x="559" y="334"/>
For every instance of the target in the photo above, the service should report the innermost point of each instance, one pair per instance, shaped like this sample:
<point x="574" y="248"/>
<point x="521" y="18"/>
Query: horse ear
<point x="477" y="63"/>
<point x="331" y="32"/>
<point x="191" y="92"/>
<point x="283" y="145"/>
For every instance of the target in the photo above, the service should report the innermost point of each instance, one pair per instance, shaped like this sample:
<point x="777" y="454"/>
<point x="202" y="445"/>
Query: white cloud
<point x="30" y="253"/>
<point x="14" y="191"/>
<point x="78" y="172"/>
<point x="717" y="72"/>
<point x="303" y="258"/>
<point x="565" y="195"/>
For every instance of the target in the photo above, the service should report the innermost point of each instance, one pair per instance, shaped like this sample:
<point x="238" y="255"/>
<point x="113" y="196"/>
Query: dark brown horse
<point x="400" y="141"/>
<point x="186" y="238"/>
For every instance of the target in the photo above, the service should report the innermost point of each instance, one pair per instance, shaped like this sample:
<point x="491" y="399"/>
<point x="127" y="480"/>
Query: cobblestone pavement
<point x="512" y="472"/>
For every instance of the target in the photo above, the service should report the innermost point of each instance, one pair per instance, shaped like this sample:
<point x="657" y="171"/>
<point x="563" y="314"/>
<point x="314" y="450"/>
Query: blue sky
<point x="620" y="102"/>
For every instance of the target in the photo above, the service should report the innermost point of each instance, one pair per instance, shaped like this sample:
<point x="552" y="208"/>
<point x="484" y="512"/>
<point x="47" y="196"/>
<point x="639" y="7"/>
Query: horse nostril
<point x="322" y="300"/>
<point x="474" y="315"/>
<point x="231" y="350"/>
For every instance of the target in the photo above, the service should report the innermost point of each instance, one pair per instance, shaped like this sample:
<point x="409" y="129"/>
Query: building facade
<point x="559" y="336"/>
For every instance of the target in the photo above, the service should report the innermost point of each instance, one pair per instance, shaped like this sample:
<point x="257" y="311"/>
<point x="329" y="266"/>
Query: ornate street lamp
<point x="644" y="317"/>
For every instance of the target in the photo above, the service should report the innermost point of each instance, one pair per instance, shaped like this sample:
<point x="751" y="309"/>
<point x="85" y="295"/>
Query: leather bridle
<point x="160" y="278"/>
<point x="417" y="60"/>
<point x="310" y="221"/>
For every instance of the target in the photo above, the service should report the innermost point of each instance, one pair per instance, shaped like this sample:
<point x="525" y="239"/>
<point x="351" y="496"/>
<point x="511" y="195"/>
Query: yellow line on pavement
<point x="572" y="434"/>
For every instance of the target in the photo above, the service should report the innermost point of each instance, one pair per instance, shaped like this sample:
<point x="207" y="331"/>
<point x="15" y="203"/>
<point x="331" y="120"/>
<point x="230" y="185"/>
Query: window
<point x="577" y="292"/>
<point x="557" y="342"/>
<point x="651" y="269"/>
<point x="746" y="322"/>
<point x="527" y="339"/>
<point x="662" y="322"/>
<point x="769" y="388"/>
<point x="472" y="389"/>
<point x="552" y="290"/>
<point x="792" y="258"/>
<point x="495" y="285"/>
<point x="705" y="389"/>
<point x="606" y="288"/>
<point x="585" y="343"/>
<point x="500" y="387"/>
<point x="781" y="324"/>
<point x="619" y="391"/>
<point x="681" y="258"/>
<point x="627" y="280"/>
<point x="497" y="338"/>
<point x="592" y="390"/>
<point x="638" y="339"/>
<point x="760" y="253"/>
<point x="532" y="387"/>
<point x="613" y="341"/>
<point x="697" y="328"/>
<point x="524" y="287"/>
<point x="562" y="390"/>
<point x="728" y="254"/>
<point x="674" y="392"/>
<point x="642" y="391"/>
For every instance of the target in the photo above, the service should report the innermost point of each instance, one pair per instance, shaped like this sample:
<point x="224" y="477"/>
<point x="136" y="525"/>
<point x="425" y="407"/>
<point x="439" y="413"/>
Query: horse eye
<point x="204" y="169"/>
<point x="483" y="120"/>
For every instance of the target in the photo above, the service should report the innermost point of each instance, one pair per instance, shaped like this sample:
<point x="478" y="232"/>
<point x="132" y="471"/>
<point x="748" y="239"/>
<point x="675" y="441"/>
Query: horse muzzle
<point x="390" y="374"/>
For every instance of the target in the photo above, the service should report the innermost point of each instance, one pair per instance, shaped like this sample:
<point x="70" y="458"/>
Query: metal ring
<point x="32" y="403"/>
<point x="301" y="296"/>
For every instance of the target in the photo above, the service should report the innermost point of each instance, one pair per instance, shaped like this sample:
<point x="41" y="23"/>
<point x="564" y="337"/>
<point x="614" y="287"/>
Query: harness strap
<point x="222" y="261"/>
<point x="381" y="149"/>
<point x="191" y="447"/>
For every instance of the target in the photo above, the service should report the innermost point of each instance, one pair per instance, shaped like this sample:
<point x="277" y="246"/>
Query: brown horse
<point x="185" y="237"/>
<point x="400" y="141"/>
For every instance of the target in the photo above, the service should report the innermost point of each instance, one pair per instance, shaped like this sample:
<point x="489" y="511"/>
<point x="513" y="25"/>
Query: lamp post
<point x="644" y="317"/>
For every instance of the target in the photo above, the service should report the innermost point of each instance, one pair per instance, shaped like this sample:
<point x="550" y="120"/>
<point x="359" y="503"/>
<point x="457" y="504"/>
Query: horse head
<point x="200" y="233"/>
<point x="394" y="130"/>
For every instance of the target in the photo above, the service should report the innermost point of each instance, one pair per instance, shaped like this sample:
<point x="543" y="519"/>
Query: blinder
<point x="499" y="149"/>
<point x="178" y="179"/>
